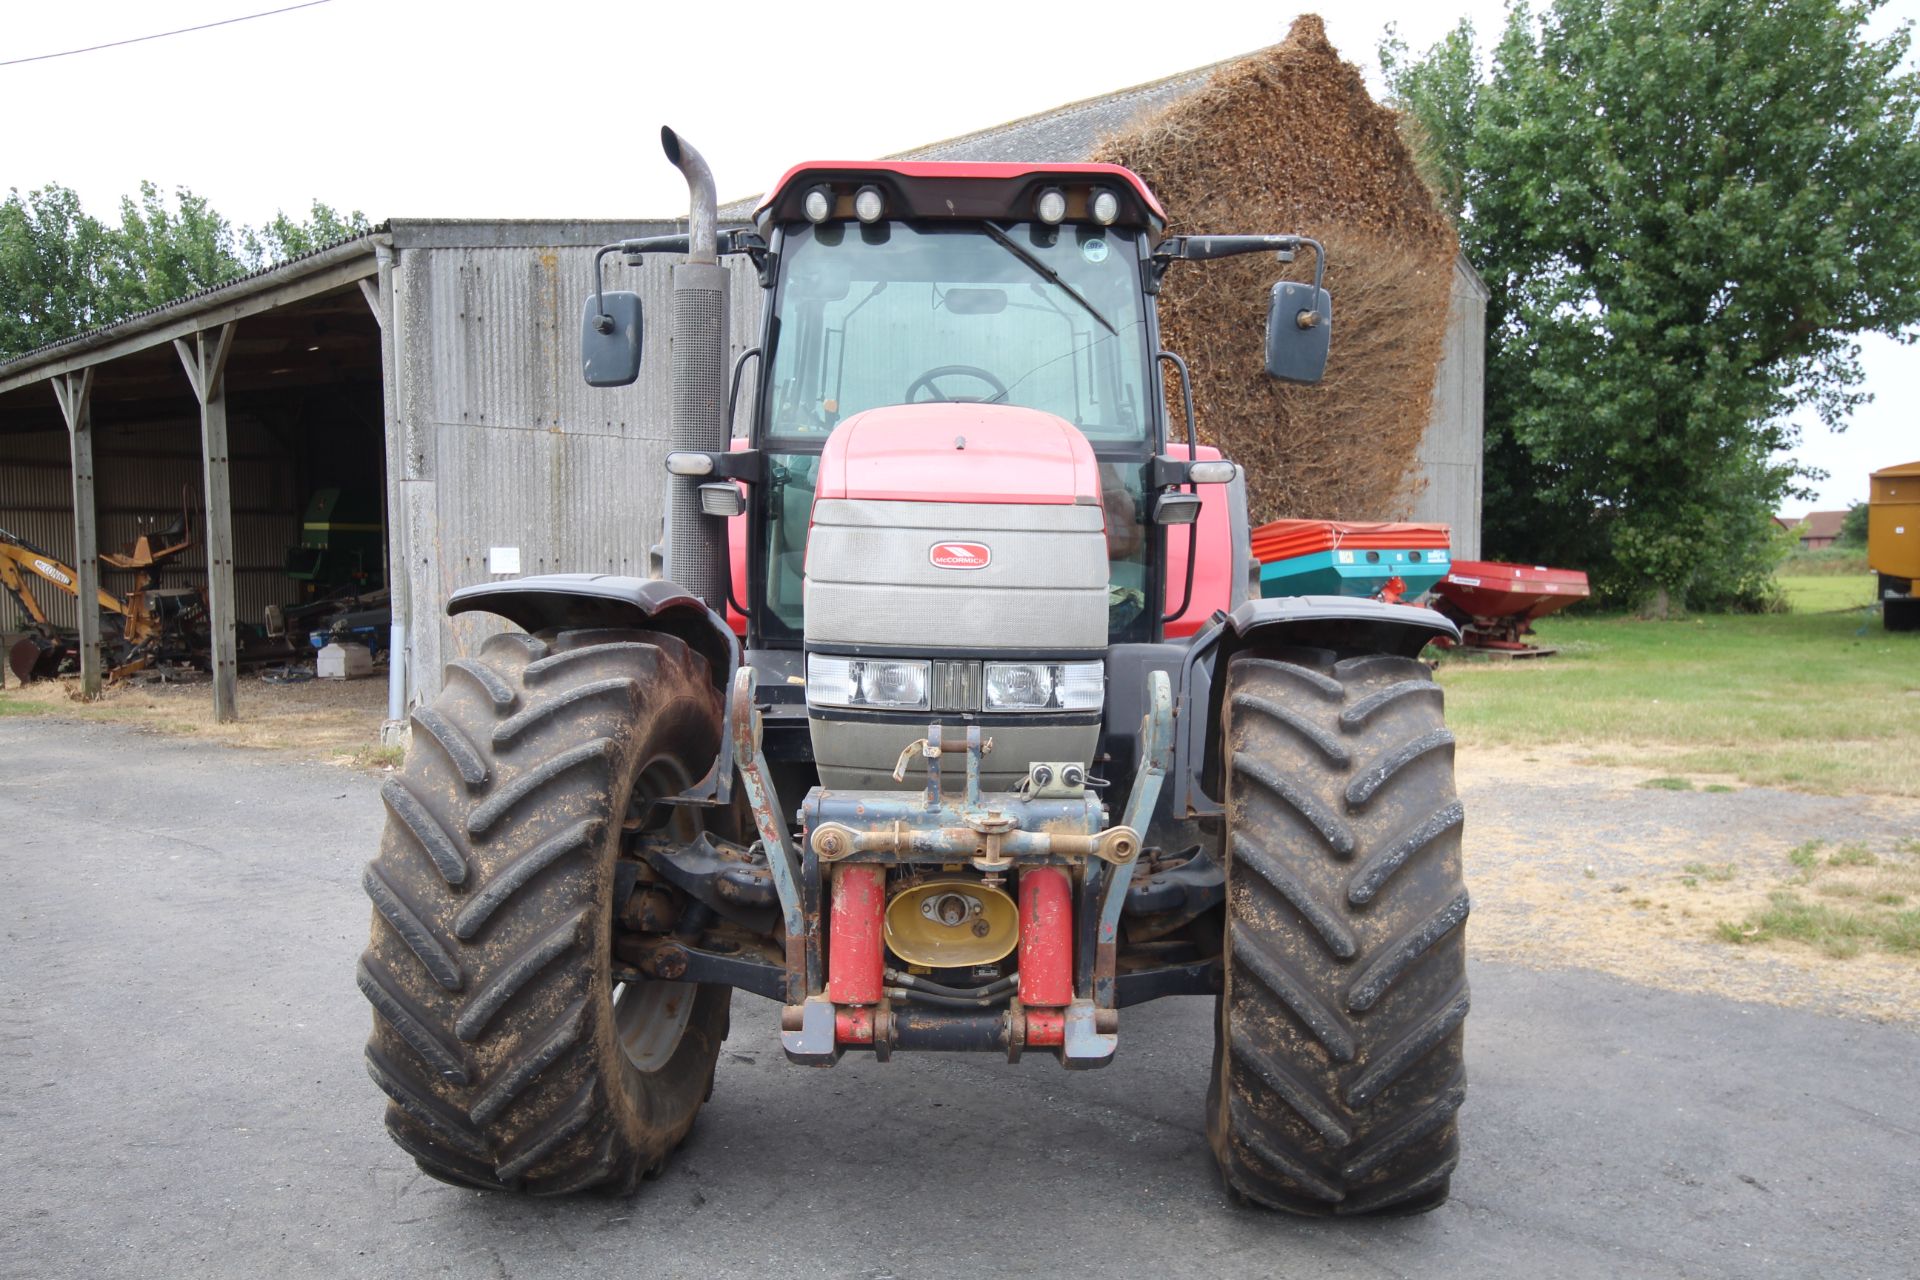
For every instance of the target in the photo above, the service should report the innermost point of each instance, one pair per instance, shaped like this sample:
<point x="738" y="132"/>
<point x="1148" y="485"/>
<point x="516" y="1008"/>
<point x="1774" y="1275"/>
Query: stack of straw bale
<point x="1288" y="139"/>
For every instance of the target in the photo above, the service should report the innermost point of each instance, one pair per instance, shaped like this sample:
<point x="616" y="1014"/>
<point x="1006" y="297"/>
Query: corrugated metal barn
<point x="433" y="364"/>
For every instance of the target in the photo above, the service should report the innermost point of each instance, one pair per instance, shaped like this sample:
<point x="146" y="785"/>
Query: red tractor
<point x="956" y="724"/>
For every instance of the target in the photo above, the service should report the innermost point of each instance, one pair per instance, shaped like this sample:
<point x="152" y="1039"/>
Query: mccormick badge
<point x="960" y="555"/>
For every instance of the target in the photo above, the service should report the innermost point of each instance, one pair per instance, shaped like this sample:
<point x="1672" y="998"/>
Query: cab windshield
<point x="1044" y="317"/>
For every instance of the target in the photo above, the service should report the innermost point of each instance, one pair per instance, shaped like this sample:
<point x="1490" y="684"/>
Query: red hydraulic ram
<point x="1046" y="951"/>
<point x="856" y="957"/>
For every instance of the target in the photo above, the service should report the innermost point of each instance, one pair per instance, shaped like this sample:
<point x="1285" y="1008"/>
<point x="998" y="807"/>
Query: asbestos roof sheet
<point x="1060" y="135"/>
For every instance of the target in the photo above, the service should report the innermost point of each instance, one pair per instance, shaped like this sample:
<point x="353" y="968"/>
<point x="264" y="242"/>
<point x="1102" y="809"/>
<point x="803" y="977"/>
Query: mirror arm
<point x="633" y="250"/>
<point x="738" y="240"/>
<point x="602" y="321"/>
<point x="1208" y="248"/>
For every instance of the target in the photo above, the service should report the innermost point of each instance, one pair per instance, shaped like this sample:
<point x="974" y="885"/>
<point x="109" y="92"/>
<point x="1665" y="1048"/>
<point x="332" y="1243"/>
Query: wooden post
<point x="385" y="302"/>
<point x="74" y="391"/>
<point x="206" y="366"/>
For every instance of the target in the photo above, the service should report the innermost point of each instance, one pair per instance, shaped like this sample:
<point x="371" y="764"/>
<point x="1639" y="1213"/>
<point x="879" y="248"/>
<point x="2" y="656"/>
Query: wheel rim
<point x="650" y="1017"/>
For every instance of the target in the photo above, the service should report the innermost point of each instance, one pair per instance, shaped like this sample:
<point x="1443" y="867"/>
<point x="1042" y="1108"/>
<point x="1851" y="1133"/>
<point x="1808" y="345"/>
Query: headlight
<point x="887" y="683"/>
<point x="1052" y="205"/>
<point x="1105" y="206"/>
<point x="1044" y="686"/>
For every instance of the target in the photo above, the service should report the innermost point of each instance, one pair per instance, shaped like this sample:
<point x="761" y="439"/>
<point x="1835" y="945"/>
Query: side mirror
<point x="610" y="333"/>
<point x="1299" y="332"/>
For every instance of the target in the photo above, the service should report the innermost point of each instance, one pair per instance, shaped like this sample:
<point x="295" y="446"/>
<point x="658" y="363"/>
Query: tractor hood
<point x="956" y="452"/>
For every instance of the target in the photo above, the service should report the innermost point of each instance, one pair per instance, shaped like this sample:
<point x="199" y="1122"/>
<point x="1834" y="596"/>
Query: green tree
<point x="1853" y="529"/>
<point x="62" y="272"/>
<point x="53" y="279"/>
<point x="1685" y="211"/>
<point x="283" y="238"/>
<point x="162" y="253"/>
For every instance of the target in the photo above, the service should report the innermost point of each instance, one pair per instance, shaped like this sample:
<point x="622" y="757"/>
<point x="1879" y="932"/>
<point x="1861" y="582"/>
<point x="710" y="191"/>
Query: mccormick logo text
<point x="960" y="555"/>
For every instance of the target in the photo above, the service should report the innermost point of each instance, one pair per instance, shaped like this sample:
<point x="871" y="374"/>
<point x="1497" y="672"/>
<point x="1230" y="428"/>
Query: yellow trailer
<point x="1893" y="543"/>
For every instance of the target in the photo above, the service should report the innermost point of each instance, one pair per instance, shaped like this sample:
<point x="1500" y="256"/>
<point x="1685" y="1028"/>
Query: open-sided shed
<point x="431" y="363"/>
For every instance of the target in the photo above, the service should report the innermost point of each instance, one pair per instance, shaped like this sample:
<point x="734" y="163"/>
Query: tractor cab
<point x="885" y="297"/>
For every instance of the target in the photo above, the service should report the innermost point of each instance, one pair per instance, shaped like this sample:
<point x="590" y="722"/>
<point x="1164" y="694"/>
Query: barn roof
<point x="1066" y="133"/>
<point x="1823" y="524"/>
<point x="1059" y="135"/>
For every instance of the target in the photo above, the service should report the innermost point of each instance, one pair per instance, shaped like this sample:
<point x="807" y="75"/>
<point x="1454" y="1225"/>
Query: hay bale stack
<point x="1288" y="139"/>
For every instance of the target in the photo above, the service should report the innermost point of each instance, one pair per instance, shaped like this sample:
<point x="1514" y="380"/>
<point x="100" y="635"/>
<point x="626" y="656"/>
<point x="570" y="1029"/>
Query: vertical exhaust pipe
<point x="697" y="544"/>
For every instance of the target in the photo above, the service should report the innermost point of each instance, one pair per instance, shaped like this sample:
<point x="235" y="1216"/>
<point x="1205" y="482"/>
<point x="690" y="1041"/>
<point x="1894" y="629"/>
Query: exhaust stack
<point x="696" y="543"/>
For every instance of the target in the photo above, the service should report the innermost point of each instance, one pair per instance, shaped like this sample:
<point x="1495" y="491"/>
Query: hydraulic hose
<point x="918" y="996"/>
<point x="919" y="983"/>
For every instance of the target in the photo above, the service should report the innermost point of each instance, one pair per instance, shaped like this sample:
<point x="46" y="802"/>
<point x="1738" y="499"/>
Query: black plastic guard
<point x="1327" y="622"/>
<point x="571" y="600"/>
<point x="1343" y="622"/>
<point x="557" y="601"/>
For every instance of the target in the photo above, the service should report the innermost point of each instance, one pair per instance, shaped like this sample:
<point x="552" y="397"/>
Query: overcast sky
<point x="406" y="108"/>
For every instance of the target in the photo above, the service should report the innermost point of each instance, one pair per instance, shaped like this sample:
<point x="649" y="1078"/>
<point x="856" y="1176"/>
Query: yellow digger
<point x="148" y="624"/>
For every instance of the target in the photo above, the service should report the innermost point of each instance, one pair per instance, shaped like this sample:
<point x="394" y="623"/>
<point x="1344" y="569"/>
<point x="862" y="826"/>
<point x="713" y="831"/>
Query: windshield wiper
<point x="1046" y="272"/>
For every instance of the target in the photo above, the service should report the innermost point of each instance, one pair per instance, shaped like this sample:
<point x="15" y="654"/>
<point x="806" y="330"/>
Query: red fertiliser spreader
<point x="1497" y="604"/>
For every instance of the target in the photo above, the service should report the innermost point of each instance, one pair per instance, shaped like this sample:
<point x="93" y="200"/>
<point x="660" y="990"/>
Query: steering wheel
<point x="928" y="378"/>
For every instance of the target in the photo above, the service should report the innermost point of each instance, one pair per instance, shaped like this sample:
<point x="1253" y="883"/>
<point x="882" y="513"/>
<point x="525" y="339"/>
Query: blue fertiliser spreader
<point x="1331" y="558"/>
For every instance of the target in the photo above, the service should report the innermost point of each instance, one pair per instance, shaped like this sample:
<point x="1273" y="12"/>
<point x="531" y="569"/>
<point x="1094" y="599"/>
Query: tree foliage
<point x="63" y="272"/>
<point x="54" y="265"/>
<point x="1685" y="210"/>
<point x="1853" y="527"/>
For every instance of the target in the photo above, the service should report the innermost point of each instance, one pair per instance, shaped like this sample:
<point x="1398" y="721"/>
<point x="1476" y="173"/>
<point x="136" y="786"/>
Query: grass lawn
<point x="1822" y="698"/>
<point x="1827" y="592"/>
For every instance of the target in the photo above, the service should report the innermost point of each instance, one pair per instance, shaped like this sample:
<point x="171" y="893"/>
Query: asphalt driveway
<point x="181" y="1094"/>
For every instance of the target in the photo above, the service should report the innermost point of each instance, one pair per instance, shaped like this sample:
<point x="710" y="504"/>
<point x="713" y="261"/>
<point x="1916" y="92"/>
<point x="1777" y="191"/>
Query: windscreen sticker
<point x="1094" y="250"/>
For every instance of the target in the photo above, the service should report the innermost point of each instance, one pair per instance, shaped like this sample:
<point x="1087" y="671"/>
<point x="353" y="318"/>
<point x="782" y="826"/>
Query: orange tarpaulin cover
<point x="1284" y="539"/>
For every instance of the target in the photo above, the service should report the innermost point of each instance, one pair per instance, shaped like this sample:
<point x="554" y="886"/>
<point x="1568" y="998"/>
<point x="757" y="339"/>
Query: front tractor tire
<point x="509" y="1057"/>
<point x="1337" y="1058"/>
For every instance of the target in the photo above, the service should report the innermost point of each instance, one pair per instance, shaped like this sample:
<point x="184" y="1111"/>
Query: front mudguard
<point x="1324" y="622"/>
<point x="569" y="601"/>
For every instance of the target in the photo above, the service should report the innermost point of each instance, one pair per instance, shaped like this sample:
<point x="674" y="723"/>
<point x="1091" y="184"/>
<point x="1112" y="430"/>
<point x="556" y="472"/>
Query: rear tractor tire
<point x="510" y="1058"/>
<point x="1338" y="1051"/>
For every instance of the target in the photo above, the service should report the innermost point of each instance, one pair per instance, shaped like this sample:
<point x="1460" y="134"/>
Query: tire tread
<point x="489" y="963"/>
<point x="1338" y="1067"/>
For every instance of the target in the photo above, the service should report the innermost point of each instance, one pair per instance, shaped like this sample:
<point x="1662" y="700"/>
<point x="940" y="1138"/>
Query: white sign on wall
<point x="503" y="559"/>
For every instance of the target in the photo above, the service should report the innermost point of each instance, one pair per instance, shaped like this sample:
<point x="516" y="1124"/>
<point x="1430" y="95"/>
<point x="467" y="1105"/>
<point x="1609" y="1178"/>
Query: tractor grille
<point x="956" y="686"/>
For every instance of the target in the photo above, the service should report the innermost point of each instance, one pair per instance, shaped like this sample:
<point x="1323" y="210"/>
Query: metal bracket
<point x="1084" y="1045"/>
<point x="805" y="971"/>
<point x="992" y="841"/>
<point x="1156" y="756"/>
<point x="677" y="961"/>
<point x="807" y="1033"/>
